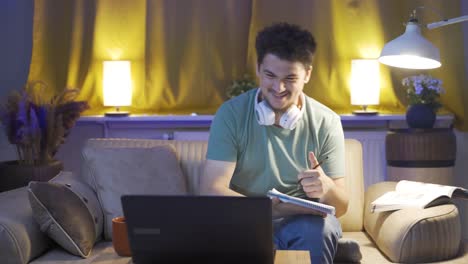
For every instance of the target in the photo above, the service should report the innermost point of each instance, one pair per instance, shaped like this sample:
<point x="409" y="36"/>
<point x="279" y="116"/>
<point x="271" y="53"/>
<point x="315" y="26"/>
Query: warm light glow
<point x="411" y="50"/>
<point x="410" y="62"/>
<point x="365" y="82"/>
<point x="114" y="53"/>
<point x="117" y="83"/>
<point x="369" y="51"/>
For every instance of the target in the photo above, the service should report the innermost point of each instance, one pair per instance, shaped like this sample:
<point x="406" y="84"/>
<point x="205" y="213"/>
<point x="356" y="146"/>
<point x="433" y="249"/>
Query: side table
<point x="292" y="256"/>
<point x="425" y="155"/>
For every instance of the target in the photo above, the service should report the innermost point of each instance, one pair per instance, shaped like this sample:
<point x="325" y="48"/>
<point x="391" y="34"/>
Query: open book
<point x="324" y="208"/>
<point x="410" y="194"/>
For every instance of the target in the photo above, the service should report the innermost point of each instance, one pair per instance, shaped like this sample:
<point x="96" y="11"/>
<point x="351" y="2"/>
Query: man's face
<point x="281" y="81"/>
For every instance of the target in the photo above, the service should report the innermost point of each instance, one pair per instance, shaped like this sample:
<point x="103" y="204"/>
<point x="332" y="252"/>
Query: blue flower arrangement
<point x="423" y="89"/>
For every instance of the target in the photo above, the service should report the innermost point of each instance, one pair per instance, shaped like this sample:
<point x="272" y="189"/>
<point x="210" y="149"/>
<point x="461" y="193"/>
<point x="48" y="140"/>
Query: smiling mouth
<point x="280" y="95"/>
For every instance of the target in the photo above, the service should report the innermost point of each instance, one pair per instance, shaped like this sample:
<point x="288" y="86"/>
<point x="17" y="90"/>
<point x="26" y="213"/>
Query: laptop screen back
<point x="199" y="229"/>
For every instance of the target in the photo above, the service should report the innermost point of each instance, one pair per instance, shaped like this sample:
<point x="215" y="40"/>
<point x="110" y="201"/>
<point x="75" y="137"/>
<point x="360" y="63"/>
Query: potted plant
<point x="423" y="93"/>
<point x="37" y="126"/>
<point x="240" y="86"/>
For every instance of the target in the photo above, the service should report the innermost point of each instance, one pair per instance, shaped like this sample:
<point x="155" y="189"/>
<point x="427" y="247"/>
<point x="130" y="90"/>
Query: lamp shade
<point x="117" y="83"/>
<point x="411" y="50"/>
<point x="365" y="82"/>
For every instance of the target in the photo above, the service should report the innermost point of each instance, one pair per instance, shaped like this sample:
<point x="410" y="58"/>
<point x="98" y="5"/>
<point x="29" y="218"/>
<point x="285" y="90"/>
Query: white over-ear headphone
<point x="266" y="116"/>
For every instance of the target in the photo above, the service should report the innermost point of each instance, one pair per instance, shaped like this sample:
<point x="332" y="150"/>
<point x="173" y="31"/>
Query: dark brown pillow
<point x="68" y="211"/>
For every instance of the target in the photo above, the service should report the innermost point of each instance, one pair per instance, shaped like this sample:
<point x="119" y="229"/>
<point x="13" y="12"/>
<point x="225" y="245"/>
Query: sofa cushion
<point x="354" y="182"/>
<point x="413" y="235"/>
<point x="369" y="251"/>
<point x="103" y="253"/>
<point x="116" y="171"/>
<point x="20" y="237"/>
<point x="68" y="211"/>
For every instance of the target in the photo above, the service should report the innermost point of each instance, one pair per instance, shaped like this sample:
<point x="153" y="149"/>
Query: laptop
<point x="199" y="229"/>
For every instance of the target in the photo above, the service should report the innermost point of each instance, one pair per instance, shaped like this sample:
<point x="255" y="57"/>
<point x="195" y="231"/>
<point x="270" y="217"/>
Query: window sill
<point x="349" y="121"/>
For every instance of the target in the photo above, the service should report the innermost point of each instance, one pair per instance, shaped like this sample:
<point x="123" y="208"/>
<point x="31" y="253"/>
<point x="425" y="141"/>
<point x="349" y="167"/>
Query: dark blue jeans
<point x="309" y="232"/>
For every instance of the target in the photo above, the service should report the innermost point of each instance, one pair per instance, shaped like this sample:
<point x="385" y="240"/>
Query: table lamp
<point x="117" y="86"/>
<point x="365" y="85"/>
<point x="411" y="50"/>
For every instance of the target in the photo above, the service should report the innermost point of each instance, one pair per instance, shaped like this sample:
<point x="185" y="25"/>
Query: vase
<point x="15" y="175"/>
<point x="420" y="116"/>
<point x="120" y="237"/>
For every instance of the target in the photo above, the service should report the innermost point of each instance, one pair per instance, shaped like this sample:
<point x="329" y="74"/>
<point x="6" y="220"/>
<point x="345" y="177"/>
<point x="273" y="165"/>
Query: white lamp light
<point x="365" y="85"/>
<point x="411" y="50"/>
<point x="117" y="86"/>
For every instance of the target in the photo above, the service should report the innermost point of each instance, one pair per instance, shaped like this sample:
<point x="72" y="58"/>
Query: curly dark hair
<point x="287" y="42"/>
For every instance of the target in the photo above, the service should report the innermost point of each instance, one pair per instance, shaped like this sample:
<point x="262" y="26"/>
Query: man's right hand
<point x="280" y="209"/>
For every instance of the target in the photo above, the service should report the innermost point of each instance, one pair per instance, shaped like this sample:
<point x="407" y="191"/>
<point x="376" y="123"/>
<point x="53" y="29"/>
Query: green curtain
<point x="185" y="53"/>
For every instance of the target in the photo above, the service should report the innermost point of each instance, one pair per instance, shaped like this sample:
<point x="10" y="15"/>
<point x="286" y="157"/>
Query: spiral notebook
<point x="324" y="208"/>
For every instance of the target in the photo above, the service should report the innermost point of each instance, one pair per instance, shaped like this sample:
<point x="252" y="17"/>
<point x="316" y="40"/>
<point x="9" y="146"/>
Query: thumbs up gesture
<point x="314" y="181"/>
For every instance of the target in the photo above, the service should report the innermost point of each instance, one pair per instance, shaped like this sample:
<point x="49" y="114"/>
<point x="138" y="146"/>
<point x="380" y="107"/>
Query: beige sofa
<point x="402" y="236"/>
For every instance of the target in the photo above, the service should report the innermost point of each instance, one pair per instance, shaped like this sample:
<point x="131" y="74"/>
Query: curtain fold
<point x="185" y="53"/>
<point x="194" y="49"/>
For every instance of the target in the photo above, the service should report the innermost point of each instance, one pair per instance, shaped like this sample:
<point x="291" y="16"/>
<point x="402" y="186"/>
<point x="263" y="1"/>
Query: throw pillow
<point x="114" y="171"/>
<point x="68" y="211"/>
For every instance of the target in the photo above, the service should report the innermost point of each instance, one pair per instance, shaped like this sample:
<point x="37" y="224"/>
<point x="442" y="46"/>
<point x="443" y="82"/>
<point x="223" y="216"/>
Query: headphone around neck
<point x="266" y="115"/>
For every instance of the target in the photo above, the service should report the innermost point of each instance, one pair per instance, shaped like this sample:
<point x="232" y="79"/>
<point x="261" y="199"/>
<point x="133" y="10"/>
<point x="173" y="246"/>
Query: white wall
<point x="16" y="18"/>
<point x="461" y="177"/>
<point x="461" y="168"/>
<point x="16" y="45"/>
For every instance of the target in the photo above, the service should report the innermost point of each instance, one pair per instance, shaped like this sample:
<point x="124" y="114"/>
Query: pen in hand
<point x="315" y="167"/>
<point x="319" y="163"/>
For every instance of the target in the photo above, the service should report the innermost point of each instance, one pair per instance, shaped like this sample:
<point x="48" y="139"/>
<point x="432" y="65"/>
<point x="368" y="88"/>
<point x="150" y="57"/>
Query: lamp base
<point x="365" y="112"/>
<point x="117" y="114"/>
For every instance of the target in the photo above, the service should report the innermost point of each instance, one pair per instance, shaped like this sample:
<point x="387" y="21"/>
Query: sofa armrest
<point x="21" y="239"/>
<point x="413" y="235"/>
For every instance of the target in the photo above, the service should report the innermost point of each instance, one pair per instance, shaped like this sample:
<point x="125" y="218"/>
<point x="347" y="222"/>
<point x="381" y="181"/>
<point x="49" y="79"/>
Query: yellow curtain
<point x="185" y="53"/>
<point x="344" y="30"/>
<point x="195" y="48"/>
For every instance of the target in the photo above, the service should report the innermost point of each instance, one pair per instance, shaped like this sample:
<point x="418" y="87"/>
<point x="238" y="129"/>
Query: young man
<point x="273" y="137"/>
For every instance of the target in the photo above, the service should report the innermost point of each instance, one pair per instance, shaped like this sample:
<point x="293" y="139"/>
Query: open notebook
<point x="411" y="194"/>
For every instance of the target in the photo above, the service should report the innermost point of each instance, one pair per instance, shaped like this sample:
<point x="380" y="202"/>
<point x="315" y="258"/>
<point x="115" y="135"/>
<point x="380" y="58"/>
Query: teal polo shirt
<point x="271" y="157"/>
